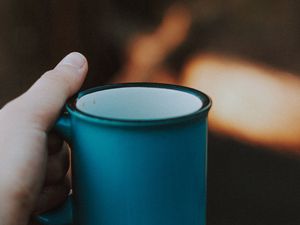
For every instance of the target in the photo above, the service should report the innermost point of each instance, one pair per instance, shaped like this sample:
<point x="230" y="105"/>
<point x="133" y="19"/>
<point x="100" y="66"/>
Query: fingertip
<point x="42" y="103"/>
<point x="74" y="59"/>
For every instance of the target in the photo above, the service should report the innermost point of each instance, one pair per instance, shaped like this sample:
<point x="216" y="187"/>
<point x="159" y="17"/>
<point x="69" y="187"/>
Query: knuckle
<point x="58" y="166"/>
<point x="13" y="109"/>
<point x="55" y="143"/>
<point x="12" y="105"/>
<point x="59" y="78"/>
<point x="52" y="196"/>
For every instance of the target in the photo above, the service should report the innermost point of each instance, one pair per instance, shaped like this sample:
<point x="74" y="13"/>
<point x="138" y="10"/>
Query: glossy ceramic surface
<point x="136" y="172"/>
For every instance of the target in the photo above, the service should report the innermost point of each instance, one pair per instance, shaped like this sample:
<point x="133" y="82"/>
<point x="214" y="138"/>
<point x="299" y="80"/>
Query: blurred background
<point x="244" y="54"/>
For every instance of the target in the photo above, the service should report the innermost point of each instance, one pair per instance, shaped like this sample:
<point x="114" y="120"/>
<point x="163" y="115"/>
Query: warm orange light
<point x="251" y="102"/>
<point x="146" y="52"/>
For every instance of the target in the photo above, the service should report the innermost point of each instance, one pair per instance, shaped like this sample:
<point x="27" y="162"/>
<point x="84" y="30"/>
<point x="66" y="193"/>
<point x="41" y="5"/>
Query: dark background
<point x="246" y="184"/>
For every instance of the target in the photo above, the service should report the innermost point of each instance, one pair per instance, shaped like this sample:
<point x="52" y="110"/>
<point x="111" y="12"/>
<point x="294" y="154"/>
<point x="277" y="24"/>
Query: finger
<point x="57" y="167"/>
<point x="55" y="143"/>
<point x="53" y="196"/>
<point x="42" y="103"/>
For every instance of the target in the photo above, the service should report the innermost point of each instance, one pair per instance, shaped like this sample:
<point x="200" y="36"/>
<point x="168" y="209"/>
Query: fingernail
<point x="74" y="59"/>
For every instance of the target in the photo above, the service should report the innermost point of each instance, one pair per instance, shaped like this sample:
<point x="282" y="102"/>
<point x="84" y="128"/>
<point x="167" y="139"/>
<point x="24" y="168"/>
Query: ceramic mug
<point x="138" y="156"/>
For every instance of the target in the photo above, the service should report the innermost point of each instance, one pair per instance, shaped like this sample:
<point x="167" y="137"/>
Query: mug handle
<point x="63" y="214"/>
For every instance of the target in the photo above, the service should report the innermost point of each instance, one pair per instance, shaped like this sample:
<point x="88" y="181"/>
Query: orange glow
<point x="146" y="52"/>
<point x="250" y="102"/>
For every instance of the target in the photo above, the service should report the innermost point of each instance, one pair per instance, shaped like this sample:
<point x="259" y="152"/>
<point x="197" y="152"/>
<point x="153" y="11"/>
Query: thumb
<point x="42" y="103"/>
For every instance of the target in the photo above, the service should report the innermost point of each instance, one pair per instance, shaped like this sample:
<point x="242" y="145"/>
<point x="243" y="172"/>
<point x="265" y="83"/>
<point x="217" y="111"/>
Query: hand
<point x="33" y="164"/>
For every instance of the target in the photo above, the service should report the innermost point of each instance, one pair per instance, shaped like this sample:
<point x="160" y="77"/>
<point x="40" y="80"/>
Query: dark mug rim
<point x="200" y="113"/>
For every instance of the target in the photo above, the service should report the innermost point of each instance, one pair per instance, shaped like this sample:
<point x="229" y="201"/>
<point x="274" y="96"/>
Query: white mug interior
<point x="139" y="103"/>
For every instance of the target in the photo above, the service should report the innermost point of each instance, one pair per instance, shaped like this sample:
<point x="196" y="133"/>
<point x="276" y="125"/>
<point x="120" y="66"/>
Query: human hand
<point x="33" y="164"/>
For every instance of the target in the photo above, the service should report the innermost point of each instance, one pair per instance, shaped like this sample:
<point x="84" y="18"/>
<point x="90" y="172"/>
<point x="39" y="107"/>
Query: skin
<point x="34" y="161"/>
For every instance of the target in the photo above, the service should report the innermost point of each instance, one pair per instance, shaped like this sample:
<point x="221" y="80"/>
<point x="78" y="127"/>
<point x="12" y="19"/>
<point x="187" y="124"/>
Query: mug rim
<point x="200" y="113"/>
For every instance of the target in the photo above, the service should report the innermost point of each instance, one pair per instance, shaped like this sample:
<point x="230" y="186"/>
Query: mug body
<point x="139" y="171"/>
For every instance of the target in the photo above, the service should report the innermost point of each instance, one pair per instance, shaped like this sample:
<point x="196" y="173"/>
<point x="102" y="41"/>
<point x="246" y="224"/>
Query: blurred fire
<point x="251" y="102"/>
<point x="146" y="52"/>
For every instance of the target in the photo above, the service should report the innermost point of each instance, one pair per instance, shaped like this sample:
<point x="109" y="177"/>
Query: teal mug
<point x="139" y="154"/>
